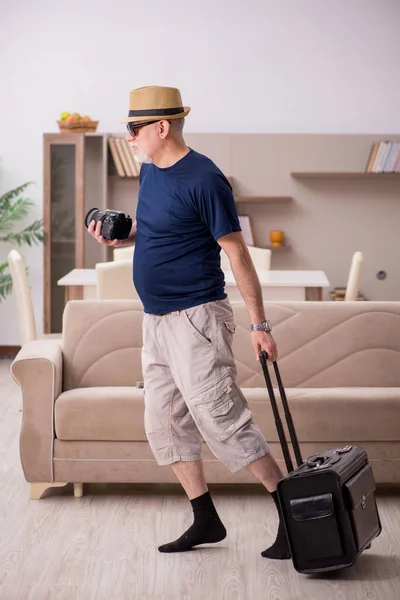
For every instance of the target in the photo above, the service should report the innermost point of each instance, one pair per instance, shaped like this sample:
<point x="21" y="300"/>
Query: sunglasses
<point x="133" y="128"/>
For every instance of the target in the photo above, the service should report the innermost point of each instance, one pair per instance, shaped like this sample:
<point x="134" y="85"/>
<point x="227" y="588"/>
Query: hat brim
<point x="181" y="115"/>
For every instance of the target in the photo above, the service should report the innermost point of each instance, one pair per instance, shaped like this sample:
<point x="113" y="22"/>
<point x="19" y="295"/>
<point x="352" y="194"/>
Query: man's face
<point x="144" y="140"/>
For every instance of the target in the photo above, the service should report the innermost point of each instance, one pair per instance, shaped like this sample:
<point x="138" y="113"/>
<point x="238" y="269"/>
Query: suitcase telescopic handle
<point x="263" y="357"/>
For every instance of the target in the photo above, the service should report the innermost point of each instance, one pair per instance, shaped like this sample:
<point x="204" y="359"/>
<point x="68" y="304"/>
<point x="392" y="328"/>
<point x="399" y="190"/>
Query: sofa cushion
<point x="320" y="415"/>
<point x="325" y="414"/>
<point x="100" y="413"/>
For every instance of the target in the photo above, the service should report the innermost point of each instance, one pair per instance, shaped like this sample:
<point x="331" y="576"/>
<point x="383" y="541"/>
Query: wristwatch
<point x="264" y="326"/>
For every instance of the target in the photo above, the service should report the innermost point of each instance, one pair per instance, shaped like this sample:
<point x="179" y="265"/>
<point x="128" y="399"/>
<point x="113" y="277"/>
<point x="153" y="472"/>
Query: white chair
<point x="123" y="253"/>
<point x="353" y="281"/>
<point x="261" y="258"/>
<point x="114" y="280"/>
<point x="22" y="291"/>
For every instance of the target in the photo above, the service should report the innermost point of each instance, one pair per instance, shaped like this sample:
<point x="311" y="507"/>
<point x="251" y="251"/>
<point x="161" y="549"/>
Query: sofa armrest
<point x="38" y="369"/>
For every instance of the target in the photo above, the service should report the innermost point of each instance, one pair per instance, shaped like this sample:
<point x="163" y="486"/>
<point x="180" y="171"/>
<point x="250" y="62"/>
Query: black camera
<point x="115" y="224"/>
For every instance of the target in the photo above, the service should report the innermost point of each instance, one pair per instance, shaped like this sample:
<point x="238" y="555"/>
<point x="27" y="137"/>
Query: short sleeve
<point x="216" y="206"/>
<point x="143" y="170"/>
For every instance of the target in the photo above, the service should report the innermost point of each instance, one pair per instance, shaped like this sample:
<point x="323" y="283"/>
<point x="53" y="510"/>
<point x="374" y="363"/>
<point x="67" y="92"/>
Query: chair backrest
<point x="225" y="264"/>
<point x="123" y="253"/>
<point x="353" y="281"/>
<point x="26" y="316"/>
<point x="261" y="258"/>
<point x="114" y="280"/>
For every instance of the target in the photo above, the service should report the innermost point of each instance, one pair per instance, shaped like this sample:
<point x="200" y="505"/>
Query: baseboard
<point x="9" y="351"/>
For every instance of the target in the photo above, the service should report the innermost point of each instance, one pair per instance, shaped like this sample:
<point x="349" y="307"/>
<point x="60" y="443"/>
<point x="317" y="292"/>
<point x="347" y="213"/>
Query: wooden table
<point x="276" y="285"/>
<point x="80" y="284"/>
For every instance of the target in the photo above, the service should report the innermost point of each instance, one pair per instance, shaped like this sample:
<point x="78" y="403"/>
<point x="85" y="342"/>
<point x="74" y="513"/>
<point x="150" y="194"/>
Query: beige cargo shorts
<point x="190" y="388"/>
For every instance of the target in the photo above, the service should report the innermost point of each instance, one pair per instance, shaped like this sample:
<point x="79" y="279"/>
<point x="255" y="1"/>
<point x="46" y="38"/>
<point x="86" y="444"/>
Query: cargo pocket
<point x="231" y="326"/>
<point x="188" y="318"/>
<point x="220" y="409"/>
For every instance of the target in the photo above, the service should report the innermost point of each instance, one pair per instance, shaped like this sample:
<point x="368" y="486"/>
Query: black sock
<point x="207" y="527"/>
<point x="280" y="548"/>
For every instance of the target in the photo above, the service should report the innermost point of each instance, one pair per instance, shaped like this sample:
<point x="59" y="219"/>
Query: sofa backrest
<point x="102" y="343"/>
<point x="320" y="344"/>
<point x="326" y="344"/>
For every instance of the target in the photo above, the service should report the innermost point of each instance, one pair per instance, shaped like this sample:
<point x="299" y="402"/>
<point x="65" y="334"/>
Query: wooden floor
<point x="104" y="545"/>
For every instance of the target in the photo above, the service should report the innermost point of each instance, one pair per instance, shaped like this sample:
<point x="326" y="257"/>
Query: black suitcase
<point x="328" y="502"/>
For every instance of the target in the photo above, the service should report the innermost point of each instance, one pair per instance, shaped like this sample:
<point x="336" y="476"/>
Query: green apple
<point x="65" y="115"/>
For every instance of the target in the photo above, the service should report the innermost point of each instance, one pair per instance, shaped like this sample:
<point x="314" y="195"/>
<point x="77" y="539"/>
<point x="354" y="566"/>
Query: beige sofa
<point x="83" y="414"/>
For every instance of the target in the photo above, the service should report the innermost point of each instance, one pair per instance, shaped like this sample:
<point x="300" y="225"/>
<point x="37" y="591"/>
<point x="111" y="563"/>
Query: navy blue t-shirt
<point x="182" y="210"/>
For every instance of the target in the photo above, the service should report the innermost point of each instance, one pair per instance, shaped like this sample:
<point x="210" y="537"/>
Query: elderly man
<point x="186" y="213"/>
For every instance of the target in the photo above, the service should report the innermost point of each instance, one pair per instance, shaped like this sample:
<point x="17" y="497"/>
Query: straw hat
<point x="155" y="102"/>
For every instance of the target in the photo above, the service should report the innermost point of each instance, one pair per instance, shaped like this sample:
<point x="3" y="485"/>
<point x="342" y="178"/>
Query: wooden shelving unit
<point x="344" y="175"/>
<point x="119" y="178"/>
<point x="79" y="174"/>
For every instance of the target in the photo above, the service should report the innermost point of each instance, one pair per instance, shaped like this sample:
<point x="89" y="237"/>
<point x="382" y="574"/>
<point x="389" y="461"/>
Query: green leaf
<point x="5" y="285"/>
<point x="33" y="234"/>
<point x="6" y="198"/>
<point x="15" y="212"/>
<point x="13" y="208"/>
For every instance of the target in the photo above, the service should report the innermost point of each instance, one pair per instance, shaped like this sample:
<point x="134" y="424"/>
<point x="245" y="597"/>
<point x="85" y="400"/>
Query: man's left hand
<point x="262" y="340"/>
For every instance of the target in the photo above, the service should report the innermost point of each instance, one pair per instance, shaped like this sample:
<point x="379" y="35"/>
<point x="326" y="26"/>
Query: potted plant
<point x="14" y="207"/>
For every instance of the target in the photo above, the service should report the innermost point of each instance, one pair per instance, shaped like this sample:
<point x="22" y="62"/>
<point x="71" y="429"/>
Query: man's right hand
<point x="95" y="228"/>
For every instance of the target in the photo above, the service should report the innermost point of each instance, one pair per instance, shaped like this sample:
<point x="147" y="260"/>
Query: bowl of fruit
<point x="74" y="123"/>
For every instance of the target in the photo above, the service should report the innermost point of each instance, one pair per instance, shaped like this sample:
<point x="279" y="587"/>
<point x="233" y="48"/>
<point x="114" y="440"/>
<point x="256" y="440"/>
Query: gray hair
<point x="177" y="125"/>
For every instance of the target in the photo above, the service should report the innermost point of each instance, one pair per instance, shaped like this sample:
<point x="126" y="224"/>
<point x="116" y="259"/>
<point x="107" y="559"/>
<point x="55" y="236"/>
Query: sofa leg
<point x="37" y="489"/>
<point x="78" y="490"/>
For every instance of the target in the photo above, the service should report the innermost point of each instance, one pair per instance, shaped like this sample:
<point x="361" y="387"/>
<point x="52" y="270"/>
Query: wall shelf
<point x="119" y="178"/>
<point x="344" y="175"/>
<point x="258" y="199"/>
<point x="282" y="248"/>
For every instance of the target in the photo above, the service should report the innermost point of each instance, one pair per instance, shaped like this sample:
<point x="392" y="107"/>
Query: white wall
<point x="255" y="66"/>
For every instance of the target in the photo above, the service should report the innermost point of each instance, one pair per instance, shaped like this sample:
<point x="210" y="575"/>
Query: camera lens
<point x="93" y="213"/>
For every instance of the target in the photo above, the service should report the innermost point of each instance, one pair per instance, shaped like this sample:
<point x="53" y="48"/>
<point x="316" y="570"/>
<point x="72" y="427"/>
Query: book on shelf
<point x="384" y="157"/>
<point x="123" y="158"/>
<point x="121" y="149"/>
<point x="115" y="156"/>
<point x="131" y="159"/>
<point x="133" y="165"/>
<point x="247" y="231"/>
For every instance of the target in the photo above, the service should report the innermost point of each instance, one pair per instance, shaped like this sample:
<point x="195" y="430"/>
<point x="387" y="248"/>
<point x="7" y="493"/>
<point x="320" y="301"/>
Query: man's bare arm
<point x="246" y="277"/>
<point x="245" y="274"/>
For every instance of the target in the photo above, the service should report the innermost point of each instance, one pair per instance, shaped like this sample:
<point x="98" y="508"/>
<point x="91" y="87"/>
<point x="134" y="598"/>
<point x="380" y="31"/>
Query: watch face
<point x="267" y="326"/>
